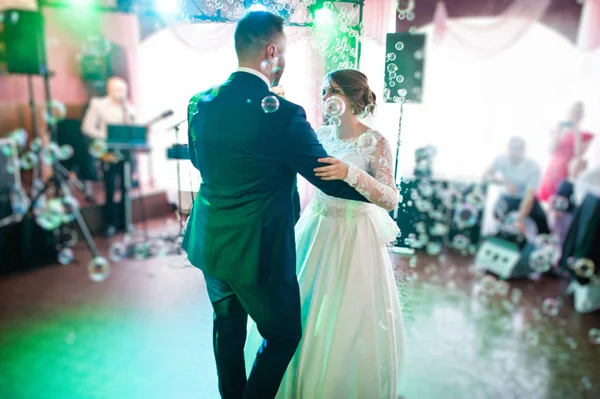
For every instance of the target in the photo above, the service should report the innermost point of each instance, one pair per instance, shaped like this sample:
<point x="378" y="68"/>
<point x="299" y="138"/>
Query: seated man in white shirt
<point x="587" y="183"/>
<point x="114" y="109"/>
<point x="520" y="177"/>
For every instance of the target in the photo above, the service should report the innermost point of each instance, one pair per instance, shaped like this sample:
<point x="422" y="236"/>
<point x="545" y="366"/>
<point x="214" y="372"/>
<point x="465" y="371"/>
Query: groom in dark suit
<point x="248" y="147"/>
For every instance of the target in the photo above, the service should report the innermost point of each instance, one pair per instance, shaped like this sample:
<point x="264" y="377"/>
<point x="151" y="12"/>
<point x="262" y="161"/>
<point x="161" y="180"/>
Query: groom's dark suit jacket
<point x="241" y="226"/>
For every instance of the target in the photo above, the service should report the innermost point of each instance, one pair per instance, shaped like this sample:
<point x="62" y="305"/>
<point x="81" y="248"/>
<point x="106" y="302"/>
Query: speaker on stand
<point x="22" y="37"/>
<point x="404" y="65"/>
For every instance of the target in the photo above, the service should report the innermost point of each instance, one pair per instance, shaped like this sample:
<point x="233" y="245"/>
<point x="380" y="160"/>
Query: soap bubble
<point x="160" y="247"/>
<point x="334" y="107"/>
<point x="65" y="256"/>
<point x="98" y="269"/>
<point x="29" y="160"/>
<point x="551" y="307"/>
<point x="584" y="267"/>
<point x="65" y="152"/>
<point x="57" y="112"/>
<point x="36" y="144"/>
<point x="98" y="148"/>
<point x="594" y="336"/>
<point x="20" y="201"/>
<point x="540" y="260"/>
<point x="335" y="121"/>
<point x="270" y="67"/>
<point x="465" y="215"/>
<point x="19" y="136"/>
<point x="50" y="154"/>
<point x="270" y="104"/>
<point x="141" y="250"/>
<point x="117" y="251"/>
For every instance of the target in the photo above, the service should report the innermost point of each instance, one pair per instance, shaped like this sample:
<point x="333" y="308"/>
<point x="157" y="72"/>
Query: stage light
<point x="257" y="7"/>
<point x="81" y="2"/>
<point x="166" y="6"/>
<point x="323" y="16"/>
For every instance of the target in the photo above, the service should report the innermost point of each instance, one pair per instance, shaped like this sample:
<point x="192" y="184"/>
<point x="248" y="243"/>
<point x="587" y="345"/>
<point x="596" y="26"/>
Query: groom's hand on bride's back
<point x="302" y="152"/>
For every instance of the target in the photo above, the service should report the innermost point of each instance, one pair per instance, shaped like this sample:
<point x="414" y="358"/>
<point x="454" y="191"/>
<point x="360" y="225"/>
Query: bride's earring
<point x="353" y="110"/>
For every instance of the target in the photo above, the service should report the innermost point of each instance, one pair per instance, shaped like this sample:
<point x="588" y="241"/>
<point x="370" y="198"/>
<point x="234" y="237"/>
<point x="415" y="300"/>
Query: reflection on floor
<point x="145" y="332"/>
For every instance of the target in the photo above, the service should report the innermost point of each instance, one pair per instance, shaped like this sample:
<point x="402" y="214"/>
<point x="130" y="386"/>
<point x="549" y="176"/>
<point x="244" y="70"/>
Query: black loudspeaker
<point x="583" y="240"/>
<point x="69" y="132"/>
<point x="9" y="175"/>
<point x="25" y="246"/>
<point x="22" y="41"/>
<point x="404" y="63"/>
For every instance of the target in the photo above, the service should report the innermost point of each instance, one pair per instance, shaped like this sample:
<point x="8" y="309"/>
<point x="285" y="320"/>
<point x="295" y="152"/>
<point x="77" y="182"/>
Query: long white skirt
<point x="351" y="316"/>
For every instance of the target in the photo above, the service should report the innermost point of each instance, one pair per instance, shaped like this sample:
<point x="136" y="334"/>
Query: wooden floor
<point x="145" y="332"/>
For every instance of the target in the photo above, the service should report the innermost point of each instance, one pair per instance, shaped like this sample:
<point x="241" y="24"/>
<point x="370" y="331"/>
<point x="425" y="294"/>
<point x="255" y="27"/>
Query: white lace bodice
<point x="370" y="173"/>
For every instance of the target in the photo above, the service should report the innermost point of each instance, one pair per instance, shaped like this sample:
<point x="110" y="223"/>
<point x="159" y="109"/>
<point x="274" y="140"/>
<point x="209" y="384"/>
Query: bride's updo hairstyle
<point x="355" y="87"/>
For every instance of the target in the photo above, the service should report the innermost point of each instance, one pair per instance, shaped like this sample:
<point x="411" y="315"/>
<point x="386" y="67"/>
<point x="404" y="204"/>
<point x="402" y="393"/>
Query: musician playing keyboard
<point x="113" y="109"/>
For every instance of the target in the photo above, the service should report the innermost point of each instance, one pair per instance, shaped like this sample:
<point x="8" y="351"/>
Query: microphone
<point x="166" y="114"/>
<point x="160" y="117"/>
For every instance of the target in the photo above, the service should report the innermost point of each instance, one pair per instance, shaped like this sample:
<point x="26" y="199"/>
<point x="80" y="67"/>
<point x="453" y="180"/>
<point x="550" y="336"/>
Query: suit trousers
<point x="296" y="205"/>
<point x="114" y="213"/>
<point x="276" y="311"/>
<point x="537" y="213"/>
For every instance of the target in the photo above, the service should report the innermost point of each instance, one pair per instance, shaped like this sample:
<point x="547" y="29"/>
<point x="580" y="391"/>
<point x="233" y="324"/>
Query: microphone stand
<point x="58" y="180"/>
<point x="179" y="206"/>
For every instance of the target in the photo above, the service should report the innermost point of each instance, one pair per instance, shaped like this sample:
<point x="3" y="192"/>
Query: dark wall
<point x="562" y="15"/>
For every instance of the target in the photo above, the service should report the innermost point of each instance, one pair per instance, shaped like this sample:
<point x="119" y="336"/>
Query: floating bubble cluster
<point x="435" y="215"/>
<point x="334" y="37"/>
<point x="53" y="207"/>
<point x="128" y="248"/>
<point x="424" y="161"/>
<point x="49" y="213"/>
<point x="463" y="316"/>
<point x="336" y="29"/>
<point x="393" y="90"/>
<point x="406" y="9"/>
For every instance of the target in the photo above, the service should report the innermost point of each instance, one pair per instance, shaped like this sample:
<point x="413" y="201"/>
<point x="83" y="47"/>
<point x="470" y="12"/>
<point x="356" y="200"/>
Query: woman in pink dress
<point x="566" y="147"/>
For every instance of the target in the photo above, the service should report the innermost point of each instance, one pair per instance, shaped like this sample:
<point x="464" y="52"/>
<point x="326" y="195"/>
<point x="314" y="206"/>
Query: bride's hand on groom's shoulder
<point x="336" y="170"/>
<point x="279" y="90"/>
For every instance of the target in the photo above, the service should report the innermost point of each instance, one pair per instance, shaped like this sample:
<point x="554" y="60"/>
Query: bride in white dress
<point x="352" y="344"/>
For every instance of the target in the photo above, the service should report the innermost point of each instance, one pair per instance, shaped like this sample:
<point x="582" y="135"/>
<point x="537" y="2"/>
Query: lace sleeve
<point x="378" y="184"/>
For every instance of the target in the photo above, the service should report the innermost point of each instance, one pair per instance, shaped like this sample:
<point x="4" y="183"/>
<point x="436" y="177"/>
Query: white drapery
<point x="588" y="43"/>
<point x="489" y="79"/>
<point x="498" y="34"/>
<point x="588" y="37"/>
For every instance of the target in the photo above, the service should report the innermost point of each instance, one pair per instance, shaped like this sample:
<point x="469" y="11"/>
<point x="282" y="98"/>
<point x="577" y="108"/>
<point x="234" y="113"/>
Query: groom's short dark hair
<point x="255" y="31"/>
